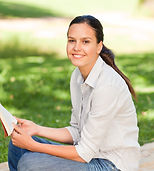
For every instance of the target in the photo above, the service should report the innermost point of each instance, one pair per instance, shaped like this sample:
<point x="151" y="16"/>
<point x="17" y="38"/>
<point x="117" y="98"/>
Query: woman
<point x="103" y="135"/>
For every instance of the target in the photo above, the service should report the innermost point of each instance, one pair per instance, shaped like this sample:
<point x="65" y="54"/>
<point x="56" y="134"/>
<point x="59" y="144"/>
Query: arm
<point x="21" y="139"/>
<point x="63" y="151"/>
<point x="55" y="134"/>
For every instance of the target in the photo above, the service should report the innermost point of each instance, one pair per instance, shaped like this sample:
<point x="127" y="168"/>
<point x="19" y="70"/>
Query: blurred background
<point x="35" y="71"/>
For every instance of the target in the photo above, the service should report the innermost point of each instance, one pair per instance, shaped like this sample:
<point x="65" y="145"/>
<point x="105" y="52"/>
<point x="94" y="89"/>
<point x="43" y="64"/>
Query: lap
<point x="34" y="161"/>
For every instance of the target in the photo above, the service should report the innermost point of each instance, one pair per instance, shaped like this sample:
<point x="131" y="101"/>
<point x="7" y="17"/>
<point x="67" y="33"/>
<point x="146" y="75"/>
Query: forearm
<point x="21" y="139"/>
<point x="55" y="134"/>
<point x="63" y="151"/>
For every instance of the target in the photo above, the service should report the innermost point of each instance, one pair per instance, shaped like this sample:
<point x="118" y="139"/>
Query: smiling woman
<point x="82" y="47"/>
<point x="103" y="132"/>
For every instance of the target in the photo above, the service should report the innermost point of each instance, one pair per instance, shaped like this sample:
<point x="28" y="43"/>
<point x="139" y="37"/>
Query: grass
<point x="139" y="68"/>
<point x="35" y="85"/>
<point x="41" y="8"/>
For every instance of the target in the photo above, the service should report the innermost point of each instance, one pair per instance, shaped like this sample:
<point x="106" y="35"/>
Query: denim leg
<point x="98" y="164"/>
<point x="24" y="160"/>
<point x="43" y="162"/>
<point x="15" y="153"/>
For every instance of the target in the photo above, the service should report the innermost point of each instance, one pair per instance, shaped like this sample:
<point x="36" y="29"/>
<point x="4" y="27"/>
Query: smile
<point x="77" y="56"/>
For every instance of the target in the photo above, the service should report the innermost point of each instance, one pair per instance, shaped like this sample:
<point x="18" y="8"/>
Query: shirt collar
<point x="80" y="79"/>
<point x="93" y="75"/>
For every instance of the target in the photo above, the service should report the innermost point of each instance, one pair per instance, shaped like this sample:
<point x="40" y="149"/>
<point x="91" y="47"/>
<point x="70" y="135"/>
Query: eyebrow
<point x="81" y="38"/>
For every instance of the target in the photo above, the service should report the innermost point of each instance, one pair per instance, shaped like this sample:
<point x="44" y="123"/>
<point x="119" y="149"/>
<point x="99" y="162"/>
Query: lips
<point x="78" y="56"/>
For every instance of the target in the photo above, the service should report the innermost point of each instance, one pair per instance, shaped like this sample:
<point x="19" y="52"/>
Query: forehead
<point x="81" y="29"/>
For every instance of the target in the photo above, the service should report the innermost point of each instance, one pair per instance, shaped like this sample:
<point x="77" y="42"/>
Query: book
<point x="7" y="120"/>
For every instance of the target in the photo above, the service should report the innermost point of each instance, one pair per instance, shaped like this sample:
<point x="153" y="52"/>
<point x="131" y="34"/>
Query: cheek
<point x="68" y="51"/>
<point x="68" y="48"/>
<point x="90" y="50"/>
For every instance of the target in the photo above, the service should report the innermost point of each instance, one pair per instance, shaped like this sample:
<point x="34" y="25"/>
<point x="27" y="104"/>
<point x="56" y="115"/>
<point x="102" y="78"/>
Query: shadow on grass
<point x="138" y="67"/>
<point x="12" y="9"/>
<point x="36" y="83"/>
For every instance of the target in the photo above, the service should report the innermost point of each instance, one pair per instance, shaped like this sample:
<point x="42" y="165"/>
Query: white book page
<point x="7" y="120"/>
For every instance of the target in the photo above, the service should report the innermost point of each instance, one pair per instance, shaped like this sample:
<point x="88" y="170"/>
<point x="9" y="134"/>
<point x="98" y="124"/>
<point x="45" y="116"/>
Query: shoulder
<point x="111" y="88"/>
<point x="111" y="83"/>
<point x="109" y="77"/>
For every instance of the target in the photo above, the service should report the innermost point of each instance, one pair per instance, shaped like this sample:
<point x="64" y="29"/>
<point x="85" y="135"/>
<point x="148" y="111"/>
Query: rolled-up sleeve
<point x="73" y="128"/>
<point x="104" y="107"/>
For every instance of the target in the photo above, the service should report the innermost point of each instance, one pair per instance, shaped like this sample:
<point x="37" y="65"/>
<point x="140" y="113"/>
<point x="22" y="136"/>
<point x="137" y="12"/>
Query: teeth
<point x="77" y="56"/>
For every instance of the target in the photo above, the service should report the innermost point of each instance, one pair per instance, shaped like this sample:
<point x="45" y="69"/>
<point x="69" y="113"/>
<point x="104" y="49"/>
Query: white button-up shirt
<point x="103" y="121"/>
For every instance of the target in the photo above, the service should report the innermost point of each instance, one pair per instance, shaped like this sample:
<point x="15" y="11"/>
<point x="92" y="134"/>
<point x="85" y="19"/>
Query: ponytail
<point x="108" y="56"/>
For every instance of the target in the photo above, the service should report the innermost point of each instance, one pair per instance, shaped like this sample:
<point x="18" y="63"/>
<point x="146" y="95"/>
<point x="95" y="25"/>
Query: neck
<point x="84" y="73"/>
<point x="86" y="70"/>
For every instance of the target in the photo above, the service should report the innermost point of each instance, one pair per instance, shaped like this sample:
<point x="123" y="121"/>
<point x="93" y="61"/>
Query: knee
<point x="25" y="163"/>
<point x="12" y="147"/>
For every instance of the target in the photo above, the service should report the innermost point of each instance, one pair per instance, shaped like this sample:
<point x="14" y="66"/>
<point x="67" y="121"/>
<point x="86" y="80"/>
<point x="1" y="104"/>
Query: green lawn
<point x="139" y="68"/>
<point x="35" y="86"/>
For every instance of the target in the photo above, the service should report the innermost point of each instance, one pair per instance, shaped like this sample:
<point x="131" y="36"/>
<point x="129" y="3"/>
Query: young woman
<point x="103" y="132"/>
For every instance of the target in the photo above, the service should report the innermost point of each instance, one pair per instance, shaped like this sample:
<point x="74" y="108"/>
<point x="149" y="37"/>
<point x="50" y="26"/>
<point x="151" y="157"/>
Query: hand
<point x="22" y="139"/>
<point x="28" y="126"/>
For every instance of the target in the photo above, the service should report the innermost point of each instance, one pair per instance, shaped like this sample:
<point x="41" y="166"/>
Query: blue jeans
<point x="24" y="160"/>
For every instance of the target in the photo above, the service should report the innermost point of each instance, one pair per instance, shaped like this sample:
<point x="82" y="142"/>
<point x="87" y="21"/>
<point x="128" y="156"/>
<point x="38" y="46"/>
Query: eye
<point x="86" y="41"/>
<point x="71" y="40"/>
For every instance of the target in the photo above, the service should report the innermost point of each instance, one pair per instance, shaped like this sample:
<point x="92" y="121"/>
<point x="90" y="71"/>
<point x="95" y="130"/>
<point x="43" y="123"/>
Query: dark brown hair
<point x="106" y="54"/>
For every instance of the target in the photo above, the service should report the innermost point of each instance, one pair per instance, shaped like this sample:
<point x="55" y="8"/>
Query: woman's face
<point x="82" y="46"/>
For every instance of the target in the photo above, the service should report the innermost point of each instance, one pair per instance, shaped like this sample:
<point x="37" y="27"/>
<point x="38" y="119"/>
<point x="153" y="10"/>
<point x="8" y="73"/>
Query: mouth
<point x="77" y="56"/>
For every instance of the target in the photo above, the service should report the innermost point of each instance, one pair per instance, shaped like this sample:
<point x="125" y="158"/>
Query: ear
<point x="99" y="47"/>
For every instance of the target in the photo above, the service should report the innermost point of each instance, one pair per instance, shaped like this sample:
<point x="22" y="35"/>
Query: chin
<point x="76" y="64"/>
<point x="77" y="61"/>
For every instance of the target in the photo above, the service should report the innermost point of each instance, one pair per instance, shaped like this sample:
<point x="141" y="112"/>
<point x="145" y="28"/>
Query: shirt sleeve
<point x="74" y="129"/>
<point x="103" y="109"/>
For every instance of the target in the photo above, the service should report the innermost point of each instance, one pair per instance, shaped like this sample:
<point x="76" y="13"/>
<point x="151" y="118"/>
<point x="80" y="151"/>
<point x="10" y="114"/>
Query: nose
<point x="77" y="46"/>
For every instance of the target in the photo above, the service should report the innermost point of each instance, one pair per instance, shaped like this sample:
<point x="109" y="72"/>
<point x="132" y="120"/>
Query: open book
<point x="7" y="121"/>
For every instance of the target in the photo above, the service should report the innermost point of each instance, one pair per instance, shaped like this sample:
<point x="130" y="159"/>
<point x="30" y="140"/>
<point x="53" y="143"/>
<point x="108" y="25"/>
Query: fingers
<point x="19" y="120"/>
<point x="15" y="136"/>
<point x="18" y="129"/>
